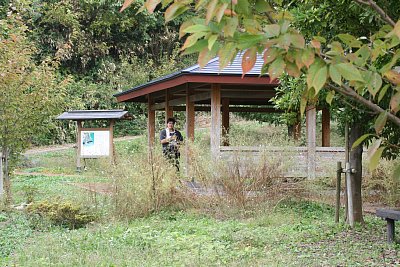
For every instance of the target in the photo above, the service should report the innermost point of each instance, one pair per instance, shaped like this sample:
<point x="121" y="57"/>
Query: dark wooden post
<point x="190" y="118"/>
<point x="215" y="131"/>
<point x="311" y="140"/>
<point x="79" y="146"/>
<point x="326" y="127"/>
<point x="169" y="113"/>
<point x="151" y="122"/>
<point x="390" y="230"/>
<point x="225" y="121"/>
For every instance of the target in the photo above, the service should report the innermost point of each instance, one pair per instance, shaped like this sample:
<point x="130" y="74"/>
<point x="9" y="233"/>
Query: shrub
<point x="65" y="214"/>
<point x="383" y="184"/>
<point x="143" y="185"/>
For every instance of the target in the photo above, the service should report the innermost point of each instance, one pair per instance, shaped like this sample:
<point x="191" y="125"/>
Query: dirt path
<point x="45" y="149"/>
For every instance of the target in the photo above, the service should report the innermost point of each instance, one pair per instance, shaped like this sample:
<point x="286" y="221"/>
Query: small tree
<point x="361" y="68"/>
<point x="29" y="95"/>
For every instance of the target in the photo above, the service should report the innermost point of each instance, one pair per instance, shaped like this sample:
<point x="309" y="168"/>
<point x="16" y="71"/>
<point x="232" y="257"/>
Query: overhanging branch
<point x="378" y="9"/>
<point x="348" y="91"/>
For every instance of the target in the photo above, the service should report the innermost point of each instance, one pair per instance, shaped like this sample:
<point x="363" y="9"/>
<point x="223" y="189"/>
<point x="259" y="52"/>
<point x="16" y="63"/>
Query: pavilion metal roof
<point x="93" y="114"/>
<point x="211" y="68"/>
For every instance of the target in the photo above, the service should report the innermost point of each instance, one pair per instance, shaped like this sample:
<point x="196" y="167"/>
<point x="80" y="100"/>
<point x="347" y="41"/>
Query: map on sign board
<point x="95" y="143"/>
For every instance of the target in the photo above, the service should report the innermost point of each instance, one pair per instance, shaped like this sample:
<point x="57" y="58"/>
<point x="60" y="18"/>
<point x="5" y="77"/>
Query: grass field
<point x="289" y="231"/>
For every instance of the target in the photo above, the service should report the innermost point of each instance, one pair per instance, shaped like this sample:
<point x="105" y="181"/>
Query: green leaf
<point x="380" y="122"/>
<point x="374" y="84"/>
<point x="335" y="75"/>
<point x="350" y="40"/>
<point x="192" y="39"/>
<point x="360" y="140"/>
<point x="245" y="40"/>
<point x="320" y="79"/>
<point x="243" y="7"/>
<point x="349" y="72"/>
<point x="197" y="47"/>
<point x="230" y="26"/>
<point x="375" y="158"/>
<point x="312" y="72"/>
<point x="262" y="6"/>
<point x="276" y="68"/>
<point x="271" y="30"/>
<point x="212" y="40"/>
<point x="196" y="28"/>
<point x="383" y="92"/>
<point x="329" y="97"/>
<point x="226" y="54"/>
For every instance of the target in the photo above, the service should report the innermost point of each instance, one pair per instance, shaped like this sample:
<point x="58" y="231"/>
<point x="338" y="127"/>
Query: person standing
<point x="170" y="139"/>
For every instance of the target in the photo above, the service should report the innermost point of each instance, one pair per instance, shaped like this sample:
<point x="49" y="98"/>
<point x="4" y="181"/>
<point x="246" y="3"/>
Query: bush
<point x="143" y="186"/>
<point x="65" y="214"/>
<point x="383" y="184"/>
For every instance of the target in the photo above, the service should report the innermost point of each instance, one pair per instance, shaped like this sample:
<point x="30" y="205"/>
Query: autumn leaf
<point x="210" y="10"/>
<point x="249" y="60"/>
<point x="126" y="4"/>
<point x="393" y="76"/>
<point x="151" y="5"/>
<point x="276" y="68"/>
<point x="336" y="77"/>
<point x="374" y="160"/>
<point x="380" y="122"/>
<point x="395" y="102"/>
<point x="270" y="54"/>
<point x="308" y="57"/>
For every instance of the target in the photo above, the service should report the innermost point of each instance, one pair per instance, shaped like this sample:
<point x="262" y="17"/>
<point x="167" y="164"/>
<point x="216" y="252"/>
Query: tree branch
<point x="378" y="9"/>
<point x="348" y="91"/>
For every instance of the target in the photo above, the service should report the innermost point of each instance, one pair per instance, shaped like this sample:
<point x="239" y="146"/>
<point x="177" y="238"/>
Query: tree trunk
<point x="7" y="183"/>
<point x="356" y="178"/>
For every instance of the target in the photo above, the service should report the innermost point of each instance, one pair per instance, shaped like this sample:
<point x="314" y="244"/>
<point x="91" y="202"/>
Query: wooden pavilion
<point x="221" y="92"/>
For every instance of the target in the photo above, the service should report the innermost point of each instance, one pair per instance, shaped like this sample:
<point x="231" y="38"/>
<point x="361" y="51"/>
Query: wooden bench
<point x="390" y="216"/>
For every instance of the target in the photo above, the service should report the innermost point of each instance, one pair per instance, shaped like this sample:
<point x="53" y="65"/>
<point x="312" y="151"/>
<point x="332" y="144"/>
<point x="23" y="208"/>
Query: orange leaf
<point x="230" y="12"/>
<point x="151" y="5"/>
<point x="126" y="4"/>
<point x="393" y="76"/>
<point x="316" y="44"/>
<point x="395" y="102"/>
<point x="248" y="60"/>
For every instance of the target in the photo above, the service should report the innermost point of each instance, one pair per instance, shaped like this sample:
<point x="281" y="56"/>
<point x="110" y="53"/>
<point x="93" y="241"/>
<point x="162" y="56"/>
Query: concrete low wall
<point x="293" y="159"/>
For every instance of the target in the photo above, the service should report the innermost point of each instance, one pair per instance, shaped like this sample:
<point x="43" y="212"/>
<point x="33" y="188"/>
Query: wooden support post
<point x="326" y="127"/>
<point x="390" y="230"/>
<point x="79" y="146"/>
<point x="151" y="122"/>
<point x="311" y="141"/>
<point x="112" y="155"/>
<point x="190" y="118"/>
<point x="169" y="112"/>
<point x="225" y="121"/>
<point x="215" y="131"/>
<point x="339" y="171"/>
<point x="1" y="176"/>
